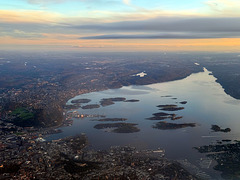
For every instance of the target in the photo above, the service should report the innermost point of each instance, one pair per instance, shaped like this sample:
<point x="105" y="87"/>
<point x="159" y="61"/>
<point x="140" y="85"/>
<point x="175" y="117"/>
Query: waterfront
<point x="207" y="105"/>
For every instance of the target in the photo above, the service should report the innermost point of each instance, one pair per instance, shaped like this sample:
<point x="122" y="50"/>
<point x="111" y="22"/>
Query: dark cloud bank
<point x="166" y="28"/>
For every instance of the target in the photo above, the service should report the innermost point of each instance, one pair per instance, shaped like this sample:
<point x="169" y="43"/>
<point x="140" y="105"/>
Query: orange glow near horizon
<point x="72" y="41"/>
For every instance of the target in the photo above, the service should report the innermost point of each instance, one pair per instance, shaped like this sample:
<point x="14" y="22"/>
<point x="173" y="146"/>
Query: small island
<point x="81" y="101"/>
<point x="216" y="128"/>
<point x="158" y="118"/>
<point x="169" y="126"/>
<point x="183" y="102"/>
<point x="118" y="99"/>
<point x="174" y="117"/>
<point x="167" y="106"/>
<point x="106" y="102"/>
<point x="132" y="100"/>
<point x="119" y="127"/>
<point x="91" y="106"/>
<point x="110" y="101"/>
<point x="161" y="116"/>
<point x="170" y="107"/>
<point x="226" y="140"/>
<point x="113" y="119"/>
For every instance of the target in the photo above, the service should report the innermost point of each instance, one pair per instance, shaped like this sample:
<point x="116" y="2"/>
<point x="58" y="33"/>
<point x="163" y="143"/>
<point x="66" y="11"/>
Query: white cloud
<point x="127" y="2"/>
<point x="44" y="1"/>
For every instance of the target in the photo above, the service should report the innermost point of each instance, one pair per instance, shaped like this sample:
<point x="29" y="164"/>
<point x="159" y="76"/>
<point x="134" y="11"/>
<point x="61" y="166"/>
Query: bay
<point x="207" y="105"/>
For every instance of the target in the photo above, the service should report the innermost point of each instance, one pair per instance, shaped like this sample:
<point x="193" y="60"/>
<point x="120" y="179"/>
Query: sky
<point x="120" y="25"/>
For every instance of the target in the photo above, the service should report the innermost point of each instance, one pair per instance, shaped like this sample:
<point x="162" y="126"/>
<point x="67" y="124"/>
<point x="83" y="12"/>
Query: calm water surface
<point x="207" y="104"/>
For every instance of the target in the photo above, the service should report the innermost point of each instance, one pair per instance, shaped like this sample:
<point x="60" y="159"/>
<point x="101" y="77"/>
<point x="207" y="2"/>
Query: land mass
<point x="216" y="128"/>
<point x="227" y="157"/>
<point x="68" y="158"/>
<point x="225" y="67"/>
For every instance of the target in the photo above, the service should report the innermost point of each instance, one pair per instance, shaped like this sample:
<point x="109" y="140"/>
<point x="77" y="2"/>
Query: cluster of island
<point x="107" y="127"/>
<point x="123" y="127"/>
<point x="76" y="103"/>
<point x="163" y="125"/>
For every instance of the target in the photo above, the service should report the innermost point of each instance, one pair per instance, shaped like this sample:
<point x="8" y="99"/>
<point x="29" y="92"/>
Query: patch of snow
<point x="142" y="74"/>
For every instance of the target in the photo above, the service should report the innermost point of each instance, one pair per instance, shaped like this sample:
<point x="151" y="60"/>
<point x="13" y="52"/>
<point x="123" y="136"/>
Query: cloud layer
<point x="167" y="28"/>
<point x="121" y="23"/>
<point x="165" y="36"/>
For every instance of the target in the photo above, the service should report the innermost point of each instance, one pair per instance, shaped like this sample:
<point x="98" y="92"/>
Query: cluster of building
<point x="24" y="154"/>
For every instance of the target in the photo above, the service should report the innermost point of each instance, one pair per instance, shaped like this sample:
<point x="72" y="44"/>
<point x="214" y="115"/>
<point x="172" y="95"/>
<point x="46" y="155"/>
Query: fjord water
<point x="207" y="104"/>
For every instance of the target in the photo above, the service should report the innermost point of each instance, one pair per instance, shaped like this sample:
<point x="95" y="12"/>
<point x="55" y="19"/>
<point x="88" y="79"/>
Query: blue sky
<point x="66" y="6"/>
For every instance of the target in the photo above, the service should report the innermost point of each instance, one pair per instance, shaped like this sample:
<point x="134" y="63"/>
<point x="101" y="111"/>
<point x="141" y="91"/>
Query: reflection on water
<point x="207" y="104"/>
